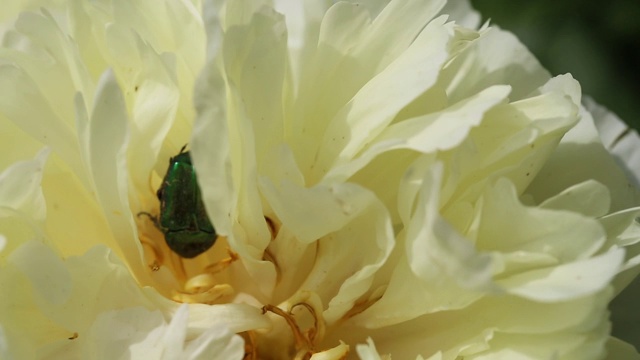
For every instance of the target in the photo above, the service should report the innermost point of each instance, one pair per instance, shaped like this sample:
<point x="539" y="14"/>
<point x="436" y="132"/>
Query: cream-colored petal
<point x="377" y="103"/>
<point x="54" y="301"/>
<point x="621" y="141"/>
<point x="75" y="222"/>
<point x="344" y="268"/>
<point x="589" y="198"/>
<point x="131" y="332"/>
<point x="497" y="57"/>
<point x="210" y="149"/>
<point x="352" y="47"/>
<point x="336" y="204"/>
<point x="617" y="349"/>
<point x="25" y="105"/>
<point x="435" y="250"/>
<point x="439" y="269"/>
<point x="20" y="186"/>
<point x="15" y="144"/>
<point x="582" y="151"/>
<point x="108" y="134"/>
<point x="218" y="342"/>
<point x="303" y="20"/>
<point x="175" y="333"/>
<point x="233" y="167"/>
<point x="43" y="268"/>
<point x="4" y="346"/>
<point x="407" y="297"/>
<point x="428" y="133"/>
<point x="255" y="61"/>
<point x="368" y="351"/>
<point x="236" y="317"/>
<point x="336" y="353"/>
<point x="568" y="281"/>
<point x="149" y="85"/>
<point x="470" y="330"/>
<point x="507" y="225"/>
<point x="50" y="56"/>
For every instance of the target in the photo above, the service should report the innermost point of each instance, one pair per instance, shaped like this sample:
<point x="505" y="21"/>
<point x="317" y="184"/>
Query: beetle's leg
<point x="157" y="255"/>
<point x="182" y="149"/>
<point x="153" y="219"/>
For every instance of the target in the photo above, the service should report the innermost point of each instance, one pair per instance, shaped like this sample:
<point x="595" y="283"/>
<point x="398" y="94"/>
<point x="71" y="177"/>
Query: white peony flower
<point x="386" y="179"/>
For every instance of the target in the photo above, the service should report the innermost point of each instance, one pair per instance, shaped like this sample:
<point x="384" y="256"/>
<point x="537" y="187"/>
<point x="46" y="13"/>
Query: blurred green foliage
<point x="599" y="44"/>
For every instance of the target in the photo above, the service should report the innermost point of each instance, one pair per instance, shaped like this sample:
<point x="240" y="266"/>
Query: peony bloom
<point x="385" y="179"/>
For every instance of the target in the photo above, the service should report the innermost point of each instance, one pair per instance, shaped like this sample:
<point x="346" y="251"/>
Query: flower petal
<point x="617" y="349"/>
<point x="582" y="151"/>
<point x="560" y="283"/>
<point x="108" y="133"/>
<point x="20" y="186"/>
<point x="621" y="141"/>
<point x="336" y="353"/>
<point x="377" y="103"/>
<point x="368" y="351"/>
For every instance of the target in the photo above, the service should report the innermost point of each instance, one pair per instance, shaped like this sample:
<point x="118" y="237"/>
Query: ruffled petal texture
<point x="387" y="179"/>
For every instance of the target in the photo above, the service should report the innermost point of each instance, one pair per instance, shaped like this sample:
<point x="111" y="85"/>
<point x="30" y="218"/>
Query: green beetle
<point x="183" y="219"/>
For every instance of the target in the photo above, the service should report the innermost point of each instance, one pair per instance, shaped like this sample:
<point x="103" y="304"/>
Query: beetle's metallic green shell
<point x="183" y="219"/>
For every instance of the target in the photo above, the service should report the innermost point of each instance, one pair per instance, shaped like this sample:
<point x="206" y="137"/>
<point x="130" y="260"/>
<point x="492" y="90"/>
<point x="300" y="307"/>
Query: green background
<point x="599" y="44"/>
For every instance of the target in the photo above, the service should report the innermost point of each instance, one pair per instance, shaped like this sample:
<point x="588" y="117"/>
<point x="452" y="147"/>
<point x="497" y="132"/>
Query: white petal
<point x="568" y="281"/>
<point x="497" y="57"/>
<point x="4" y="346"/>
<point x="336" y="205"/>
<point x="236" y="317"/>
<point x="210" y="150"/>
<point x="621" y="141"/>
<point x="175" y="333"/>
<point x="582" y="151"/>
<point x="216" y="343"/>
<point x="509" y="226"/>
<point x="439" y="268"/>
<point x="336" y="353"/>
<point x="347" y="210"/>
<point x="150" y="89"/>
<point x="368" y="351"/>
<point x="20" y="187"/>
<point x="589" y="198"/>
<point x="255" y="61"/>
<point x="24" y="104"/>
<point x="43" y="268"/>
<point x="108" y="134"/>
<point x="435" y="249"/>
<point x="378" y="102"/>
<point x="135" y="332"/>
<point x="570" y="325"/>
<point x="428" y="133"/>
<point x="617" y="349"/>
<point x="347" y="32"/>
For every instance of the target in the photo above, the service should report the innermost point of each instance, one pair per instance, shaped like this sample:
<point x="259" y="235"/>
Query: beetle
<point x="183" y="219"/>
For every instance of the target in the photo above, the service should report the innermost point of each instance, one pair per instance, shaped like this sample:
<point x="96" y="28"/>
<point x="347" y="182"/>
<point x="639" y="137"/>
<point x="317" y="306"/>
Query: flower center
<point x="191" y="280"/>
